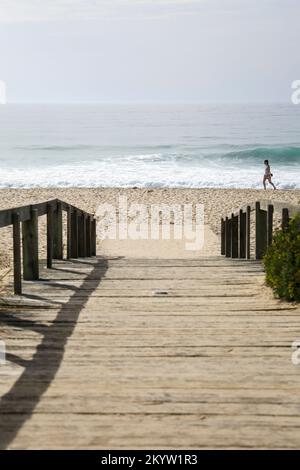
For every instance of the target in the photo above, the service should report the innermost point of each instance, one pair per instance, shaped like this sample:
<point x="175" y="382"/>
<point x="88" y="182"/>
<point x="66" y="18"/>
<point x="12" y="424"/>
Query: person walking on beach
<point x="268" y="175"/>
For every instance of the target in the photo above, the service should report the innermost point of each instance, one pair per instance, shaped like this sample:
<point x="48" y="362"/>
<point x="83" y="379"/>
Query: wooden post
<point x="74" y="234"/>
<point x="228" y="238"/>
<point x="50" y="232"/>
<point x="58" y="233"/>
<point x="82" y="235"/>
<point x="88" y="236"/>
<point x="69" y="232"/>
<point x="84" y="221"/>
<point x="30" y="247"/>
<point x="234" y="236"/>
<point x="93" y="238"/>
<point x="248" y="233"/>
<point x="270" y="224"/>
<point x="17" y="254"/>
<point x="285" y="219"/>
<point x="242" y="223"/>
<point x="260" y="231"/>
<point x="223" y="236"/>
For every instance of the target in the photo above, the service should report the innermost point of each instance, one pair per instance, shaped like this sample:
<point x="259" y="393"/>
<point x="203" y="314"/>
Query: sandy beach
<point x="217" y="203"/>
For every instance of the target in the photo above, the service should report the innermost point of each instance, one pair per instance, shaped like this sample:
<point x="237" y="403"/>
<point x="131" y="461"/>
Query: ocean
<point x="188" y="146"/>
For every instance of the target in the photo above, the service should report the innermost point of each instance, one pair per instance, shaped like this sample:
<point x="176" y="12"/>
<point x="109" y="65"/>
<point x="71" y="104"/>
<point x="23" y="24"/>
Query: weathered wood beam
<point x="58" y="232"/>
<point x="94" y="238"/>
<point x="234" y="236"/>
<point x="260" y="232"/>
<point x="50" y="230"/>
<point x="81" y="236"/>
<point x="285" y="218"/>
<point x="17" y="254"/>
<point x="223" y="237"/>
<point x="242" y="233"/>
<point x="74" y="234"/>
<point x="30" y="247"/>
<point x="228" y="237"/>
<point x="6" y="215"/>
<point x="88" y="235"/>
<point x="69" y="232"/>
<point x="270" y="224"/>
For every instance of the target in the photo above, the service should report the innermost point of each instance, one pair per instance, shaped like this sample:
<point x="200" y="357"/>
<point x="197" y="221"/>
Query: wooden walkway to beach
<point x="140" y="353"/>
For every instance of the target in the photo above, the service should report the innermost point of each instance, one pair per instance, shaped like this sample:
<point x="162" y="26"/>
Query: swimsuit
<point x="268" y="173"/>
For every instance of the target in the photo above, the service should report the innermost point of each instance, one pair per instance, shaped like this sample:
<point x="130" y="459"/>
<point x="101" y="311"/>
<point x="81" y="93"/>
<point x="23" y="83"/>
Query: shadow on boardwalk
<point x="41" y="370"/>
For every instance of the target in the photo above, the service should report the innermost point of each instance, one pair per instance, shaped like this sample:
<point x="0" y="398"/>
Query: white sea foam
<point x="125" y="174"/>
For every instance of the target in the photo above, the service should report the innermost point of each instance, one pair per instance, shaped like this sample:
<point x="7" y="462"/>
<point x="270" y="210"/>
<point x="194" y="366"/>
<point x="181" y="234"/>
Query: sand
<point x="217" y="203"/>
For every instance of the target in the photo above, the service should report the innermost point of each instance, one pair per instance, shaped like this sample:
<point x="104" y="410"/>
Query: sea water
<point x="189" y="146"/>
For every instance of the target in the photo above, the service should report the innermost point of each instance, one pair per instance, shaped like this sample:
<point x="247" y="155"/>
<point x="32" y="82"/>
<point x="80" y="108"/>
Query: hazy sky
<point x="149" y="51"/>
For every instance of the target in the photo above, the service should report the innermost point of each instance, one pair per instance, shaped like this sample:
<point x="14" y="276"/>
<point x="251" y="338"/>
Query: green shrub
<point x="282" y="262"/>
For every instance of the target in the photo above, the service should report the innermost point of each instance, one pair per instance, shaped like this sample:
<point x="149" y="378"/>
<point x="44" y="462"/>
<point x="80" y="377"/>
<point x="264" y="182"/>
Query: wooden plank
<point x="50" y="230"/>
<point x="6" y="215"/>
<point x="30" y="247"/>
<point x="107" y="355"/>
<point x="261" y="233"/>
<point x="248" y="232"/>
<point x="17" y="254"/>
<point x="223" y="237"/>
<point x="93" y="238"/>
<point x="228" y="244"/>
<point x="69" y="232"/>
<point x="270" y="224"/>
<point x="58" y="232"/>
<point x="242" y="234"/>
<point x="234" y="236"/>
<point x="82" y="236"/>
<point x="74" y="234"/>
<point x="88" y="236"/>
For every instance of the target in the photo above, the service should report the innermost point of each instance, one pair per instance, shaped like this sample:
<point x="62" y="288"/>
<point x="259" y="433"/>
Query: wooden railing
<point x="81" y="236"/>
<point x="236" y="228"/>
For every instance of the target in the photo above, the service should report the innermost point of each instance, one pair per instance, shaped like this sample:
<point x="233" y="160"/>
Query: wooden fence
<point x="81" y="236"/>
<point x="236" y="228"/>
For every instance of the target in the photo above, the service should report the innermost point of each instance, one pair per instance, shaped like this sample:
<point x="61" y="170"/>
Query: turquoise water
<point x="149" y="146"/>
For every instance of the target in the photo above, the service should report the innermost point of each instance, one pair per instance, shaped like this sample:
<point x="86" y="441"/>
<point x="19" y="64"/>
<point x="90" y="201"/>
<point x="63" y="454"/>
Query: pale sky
<point x="142" y="51"/>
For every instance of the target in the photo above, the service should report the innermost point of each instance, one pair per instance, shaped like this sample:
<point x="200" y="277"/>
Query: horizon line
<point x="147" y="103"/>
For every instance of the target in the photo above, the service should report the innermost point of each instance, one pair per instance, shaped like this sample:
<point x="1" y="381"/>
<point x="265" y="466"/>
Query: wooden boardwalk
<point x="136" y="353"/>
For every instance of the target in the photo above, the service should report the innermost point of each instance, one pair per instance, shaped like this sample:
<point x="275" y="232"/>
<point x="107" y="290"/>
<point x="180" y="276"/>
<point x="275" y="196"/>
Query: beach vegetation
<point x="282" y="262"/>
